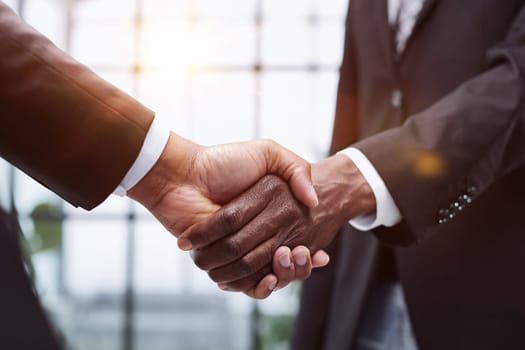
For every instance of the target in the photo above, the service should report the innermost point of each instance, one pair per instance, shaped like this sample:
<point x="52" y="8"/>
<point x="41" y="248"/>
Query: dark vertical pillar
<point x="128" y="334"/>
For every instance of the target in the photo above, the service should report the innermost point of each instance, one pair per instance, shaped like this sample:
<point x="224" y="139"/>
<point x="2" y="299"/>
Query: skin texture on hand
<point x="237" y="244"/>
<point x="191" y="182"/>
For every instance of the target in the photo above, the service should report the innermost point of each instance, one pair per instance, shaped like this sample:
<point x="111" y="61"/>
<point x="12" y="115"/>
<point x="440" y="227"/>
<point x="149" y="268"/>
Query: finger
<point x="264" y="288"/>
<point x="302" y="263"/>
<point x="283" y="267"/>
<point x="248" y="283"/>
<point x="294" y="169"/>
<point x="246" y="266"/>
<point x="320" y="259"/>
<point x="230" y="218"/>
<point x="242" y="248"/>
<point x="272" y="224"/>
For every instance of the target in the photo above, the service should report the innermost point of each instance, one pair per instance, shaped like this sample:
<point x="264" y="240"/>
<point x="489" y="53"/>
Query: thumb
<point x="292" y="168"/>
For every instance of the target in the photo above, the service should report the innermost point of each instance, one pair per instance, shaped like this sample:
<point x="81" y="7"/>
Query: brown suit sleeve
<point x="61" y="123"/>
<point x="473" y="137"/>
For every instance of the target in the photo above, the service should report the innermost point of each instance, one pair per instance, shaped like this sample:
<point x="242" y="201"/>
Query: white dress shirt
<point x="154" y="143"/>
<point x="401" y="12"/>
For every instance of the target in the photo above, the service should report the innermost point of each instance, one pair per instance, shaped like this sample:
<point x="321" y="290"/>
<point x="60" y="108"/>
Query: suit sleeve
<point x="440" y="160"/>
<point x="60" y="123"/>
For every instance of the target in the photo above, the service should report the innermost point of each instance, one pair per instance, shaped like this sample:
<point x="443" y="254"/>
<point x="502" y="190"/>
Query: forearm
<point x="61" y="123"/>
<point x="171" y="171"/>
<point x="343" y="191"/>
<point x="443" y="158"/>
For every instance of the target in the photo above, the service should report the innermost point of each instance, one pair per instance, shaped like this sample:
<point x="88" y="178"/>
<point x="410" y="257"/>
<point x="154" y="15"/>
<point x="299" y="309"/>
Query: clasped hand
<point x="251" y="231"/>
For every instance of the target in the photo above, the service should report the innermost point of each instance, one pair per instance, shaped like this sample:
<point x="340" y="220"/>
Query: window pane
<point x="332" y="8"/>
<point x="161" y="267"/>
<point x="186" y="321"/>
<point x="97" y="10"/>
<point x="179" y="45"/>
<point x="329" y="43"/>
<point x="287" y="43"/>
<point x="48" y="17"/>
<point x="94" y="257"/>
<point x="165" y="91"/>
<point x="167" y="9"/>
<point x="287" y="110"/>
<point x="30" y="193"/>
<point x="289" y="9"/>
<point x="325" y="87"/>
<point x="221" y="107"/>
<point x="121" y="78"/>
<point x="298" y="110"/>
<point x="226" y="8"/>
<point x="103" y="44"/>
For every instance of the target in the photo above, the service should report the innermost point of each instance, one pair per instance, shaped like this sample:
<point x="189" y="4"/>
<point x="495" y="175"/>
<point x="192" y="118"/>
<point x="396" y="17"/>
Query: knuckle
<point x="231" y="217"/>
<point x="273" y="184"/>
<point x="200" y="260"/>
<point x="216" y="276"/>
<point x="195" y="235"/>
<point x="246" y="266"/>
<point x="233" y="248"/>
<point x="279" y="185"/>
<point x="292" y="212"/>
<point x="307" y="166"/>
<point x="305" y="275"/>
<point x="269" y="142"/>
<point x="174" y="229"/>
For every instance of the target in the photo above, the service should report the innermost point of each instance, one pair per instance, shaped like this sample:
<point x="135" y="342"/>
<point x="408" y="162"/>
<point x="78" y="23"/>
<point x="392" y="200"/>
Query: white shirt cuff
<point x="154" y="143"/>
<point x="387" y="213"/>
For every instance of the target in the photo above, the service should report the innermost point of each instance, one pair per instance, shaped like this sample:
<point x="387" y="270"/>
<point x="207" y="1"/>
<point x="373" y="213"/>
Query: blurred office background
<point x="214" y="71"/>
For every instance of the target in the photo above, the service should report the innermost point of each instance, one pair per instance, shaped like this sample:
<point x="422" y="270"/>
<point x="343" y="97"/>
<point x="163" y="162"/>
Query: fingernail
<point x="301" y="260"/>
<point x="271" y="286"/>
<point x="185" y="244"/>
<point x="224" y="287"/>
<point x="285" y="261"/>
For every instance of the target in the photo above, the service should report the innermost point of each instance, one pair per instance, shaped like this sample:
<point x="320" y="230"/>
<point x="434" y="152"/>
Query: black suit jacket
<point x="452" y="154"/>
<point x="71" y="131"/>
<point x="23" y="322"/>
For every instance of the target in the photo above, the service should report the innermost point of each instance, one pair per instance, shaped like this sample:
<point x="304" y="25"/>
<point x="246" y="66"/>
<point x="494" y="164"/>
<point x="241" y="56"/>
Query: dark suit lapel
<point x="427" y="9"/>
<point x="379" y="9"/>
<point x="386" y="38"/>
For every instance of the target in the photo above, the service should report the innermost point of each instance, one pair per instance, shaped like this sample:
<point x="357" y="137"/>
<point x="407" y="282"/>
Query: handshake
<point x="254" y="215"/>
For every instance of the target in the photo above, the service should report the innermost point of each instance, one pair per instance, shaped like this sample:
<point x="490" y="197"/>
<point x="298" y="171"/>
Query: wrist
<point x="171" y="170"/>
<point x="341" y="185"/>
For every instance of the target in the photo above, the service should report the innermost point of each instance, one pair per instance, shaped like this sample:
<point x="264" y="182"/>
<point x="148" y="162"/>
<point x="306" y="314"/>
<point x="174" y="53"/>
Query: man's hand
<point x="238" y="244"/>
<point x="190" y="182"/>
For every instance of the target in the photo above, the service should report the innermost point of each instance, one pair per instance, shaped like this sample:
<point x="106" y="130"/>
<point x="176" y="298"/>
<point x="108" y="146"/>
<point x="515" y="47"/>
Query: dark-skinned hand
<point x="244" y="245"/>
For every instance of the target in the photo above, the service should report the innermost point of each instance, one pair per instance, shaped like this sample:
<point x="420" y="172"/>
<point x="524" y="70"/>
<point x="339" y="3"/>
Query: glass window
<point x="94" y="256"/>
<point x="226" y="8"/>
<point x="103" y="44"/>
<point x="213" y="74"/>
<point x="287" y="42"/>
